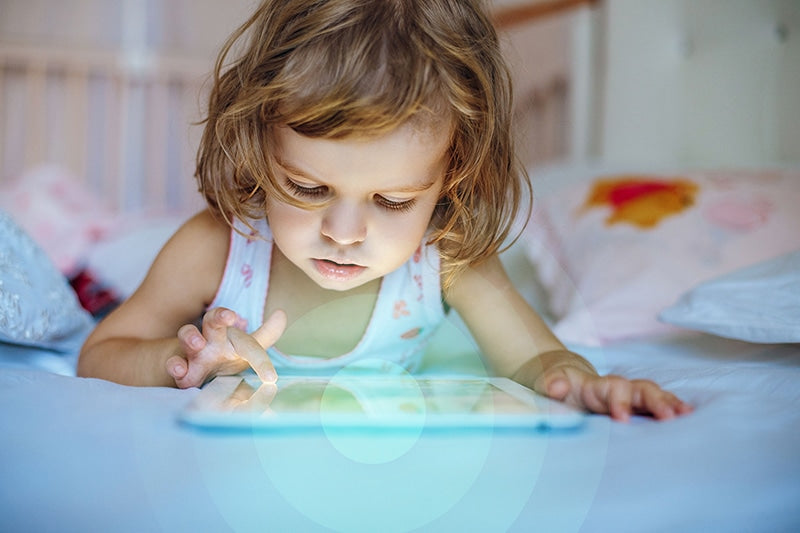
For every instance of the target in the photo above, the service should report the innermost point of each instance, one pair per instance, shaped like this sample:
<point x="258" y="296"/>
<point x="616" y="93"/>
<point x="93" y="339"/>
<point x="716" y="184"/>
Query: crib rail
<point x="121" y="123"/>
<point x="125" y="123"/>
<point x="514" y="13"/>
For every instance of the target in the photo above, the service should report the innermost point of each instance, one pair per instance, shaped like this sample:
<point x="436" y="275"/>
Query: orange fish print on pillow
<point x="642" y="201"/>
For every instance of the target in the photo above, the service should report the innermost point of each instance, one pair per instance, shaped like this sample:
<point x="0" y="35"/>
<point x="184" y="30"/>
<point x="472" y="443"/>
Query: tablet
<point x="360" y="402"/>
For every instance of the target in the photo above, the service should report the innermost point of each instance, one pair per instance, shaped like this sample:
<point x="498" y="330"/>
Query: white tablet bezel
<point x="211" y="409"/>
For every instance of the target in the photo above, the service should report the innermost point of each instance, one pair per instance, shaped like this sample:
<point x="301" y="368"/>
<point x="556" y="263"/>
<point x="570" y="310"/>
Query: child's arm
<point x="149" y="339"/>
<point x="518" y="344"/>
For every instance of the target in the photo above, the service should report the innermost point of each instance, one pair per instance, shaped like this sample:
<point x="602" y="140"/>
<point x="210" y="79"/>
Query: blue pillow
<point x="38" y="308"/>
<point x="760" y="303"/>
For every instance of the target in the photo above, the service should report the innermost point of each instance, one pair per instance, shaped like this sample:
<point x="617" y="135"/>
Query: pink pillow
<point x="615" y="250"/>
<point x="61" y="214"/>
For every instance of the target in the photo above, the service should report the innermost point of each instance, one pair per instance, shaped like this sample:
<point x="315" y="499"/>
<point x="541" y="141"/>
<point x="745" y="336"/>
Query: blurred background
<point x="109" y="90"/>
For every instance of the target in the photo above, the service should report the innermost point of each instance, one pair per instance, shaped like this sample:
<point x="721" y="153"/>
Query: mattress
<point x="88" y="455"/>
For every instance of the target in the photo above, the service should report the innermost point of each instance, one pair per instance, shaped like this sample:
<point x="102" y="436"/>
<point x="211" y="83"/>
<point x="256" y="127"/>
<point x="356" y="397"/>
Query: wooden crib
<point x="124" y="122"/>
<point x="123" y="125"/>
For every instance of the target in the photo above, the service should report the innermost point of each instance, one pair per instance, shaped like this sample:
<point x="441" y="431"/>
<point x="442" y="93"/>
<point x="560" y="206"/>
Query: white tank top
<point x="407" y="311"/>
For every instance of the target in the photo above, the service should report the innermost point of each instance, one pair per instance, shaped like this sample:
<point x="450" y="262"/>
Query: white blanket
<point x="89" y="455"/>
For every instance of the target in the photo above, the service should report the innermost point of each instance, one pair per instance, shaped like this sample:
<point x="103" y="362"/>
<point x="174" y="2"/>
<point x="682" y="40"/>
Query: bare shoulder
<point x="204" y="225"/>
<point x="203" y="233"/>
<point x="195" y="255"/>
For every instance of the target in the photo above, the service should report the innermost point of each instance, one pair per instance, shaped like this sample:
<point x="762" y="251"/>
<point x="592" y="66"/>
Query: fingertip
<point x="621" y="413"/>
<point x="278" y="318"/>
<point x="675" y="409"/>
<point x="222" y="316"/>
<point x="267" y="375"/>
<point x="190" y="337"/>
<point x="176" y="367"/>
<point x="227" y="316"/>
<point x="271" y="330"/>
<point x="268" y="372"/>
<point x="265" y="371"/>
<point x="558" y="388"/>
<point x="623" y="417"/>
<point x="197" y="342"/>
<point x="666" y="413"/>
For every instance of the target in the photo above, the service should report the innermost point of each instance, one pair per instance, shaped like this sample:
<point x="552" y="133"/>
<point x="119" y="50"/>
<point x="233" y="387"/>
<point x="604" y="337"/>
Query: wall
<point x="700" y="82"/>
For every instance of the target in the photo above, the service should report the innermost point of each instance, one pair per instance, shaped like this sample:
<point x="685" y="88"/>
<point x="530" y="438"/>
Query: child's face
<point x="373" y="201"/>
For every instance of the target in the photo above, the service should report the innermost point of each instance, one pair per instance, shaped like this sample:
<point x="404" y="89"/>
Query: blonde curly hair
<point x="337" y="69"/>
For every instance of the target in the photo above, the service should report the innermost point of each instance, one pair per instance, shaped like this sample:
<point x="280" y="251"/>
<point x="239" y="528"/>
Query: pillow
<point x="59" y="212"/>
<point x="37" y="306"/>
<point x="760" y="303"/>
<point x="614" y="250"/>
<point x="122" y="258"/>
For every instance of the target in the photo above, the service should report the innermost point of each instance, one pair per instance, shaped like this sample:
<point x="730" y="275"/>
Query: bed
<point x="655" y="254"/>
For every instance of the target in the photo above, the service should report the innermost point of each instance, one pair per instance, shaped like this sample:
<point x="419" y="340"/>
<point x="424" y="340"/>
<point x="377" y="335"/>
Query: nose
<point x="344" y="223"/>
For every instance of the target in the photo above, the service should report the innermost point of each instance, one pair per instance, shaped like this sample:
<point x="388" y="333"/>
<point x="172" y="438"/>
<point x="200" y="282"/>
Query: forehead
<point x="409" y="155"/>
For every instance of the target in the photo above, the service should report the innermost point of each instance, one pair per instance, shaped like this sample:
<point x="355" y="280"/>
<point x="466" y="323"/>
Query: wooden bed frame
<point x="120" y="124"/>
<point x="126" y="124"/>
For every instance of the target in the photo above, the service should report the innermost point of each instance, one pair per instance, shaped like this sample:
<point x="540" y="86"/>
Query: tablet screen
<point x="389" y="401"/>
<point x="371" y="395"/>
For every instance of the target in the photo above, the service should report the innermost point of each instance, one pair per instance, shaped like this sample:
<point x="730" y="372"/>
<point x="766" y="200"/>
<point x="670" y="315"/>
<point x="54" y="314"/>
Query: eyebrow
<point x="407" y="189"/>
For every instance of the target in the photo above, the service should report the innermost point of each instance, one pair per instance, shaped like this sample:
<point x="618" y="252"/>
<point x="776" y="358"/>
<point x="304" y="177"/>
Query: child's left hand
<point x="614" y="395"/>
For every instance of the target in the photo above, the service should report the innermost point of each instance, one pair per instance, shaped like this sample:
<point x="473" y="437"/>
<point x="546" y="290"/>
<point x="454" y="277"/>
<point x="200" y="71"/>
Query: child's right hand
<point x="222" y="348"/>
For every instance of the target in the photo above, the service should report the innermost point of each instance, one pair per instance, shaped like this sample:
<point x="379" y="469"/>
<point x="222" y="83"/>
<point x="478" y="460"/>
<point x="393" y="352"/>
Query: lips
<point x="336" y="271"/>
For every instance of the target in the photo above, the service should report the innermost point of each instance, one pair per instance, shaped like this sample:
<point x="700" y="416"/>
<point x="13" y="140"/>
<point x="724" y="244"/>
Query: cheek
<point x="426" y="208"/>
<point x="410" y="227"/>
<point x="285" y="219"/>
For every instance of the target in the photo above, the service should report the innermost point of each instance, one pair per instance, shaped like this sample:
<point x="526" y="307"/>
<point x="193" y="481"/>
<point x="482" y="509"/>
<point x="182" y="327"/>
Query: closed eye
<point x="394" y="205"/>
<point x="317" y="191"/>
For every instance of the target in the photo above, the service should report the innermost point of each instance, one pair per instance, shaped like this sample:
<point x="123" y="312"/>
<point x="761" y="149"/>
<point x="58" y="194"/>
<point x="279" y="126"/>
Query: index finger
<point x="251" y="351"/>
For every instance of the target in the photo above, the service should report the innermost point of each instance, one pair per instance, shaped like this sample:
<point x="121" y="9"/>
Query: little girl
<point x="360" y="177"/>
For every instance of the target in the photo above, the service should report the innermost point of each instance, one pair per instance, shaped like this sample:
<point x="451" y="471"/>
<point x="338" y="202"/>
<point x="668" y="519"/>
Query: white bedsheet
<point x="88" y="455"/>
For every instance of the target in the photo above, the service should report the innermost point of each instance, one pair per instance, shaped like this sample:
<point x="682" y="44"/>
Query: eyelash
<point x="399" y="207"/>
<point x="308" y="192"/>
<point x="318" y="192"/>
